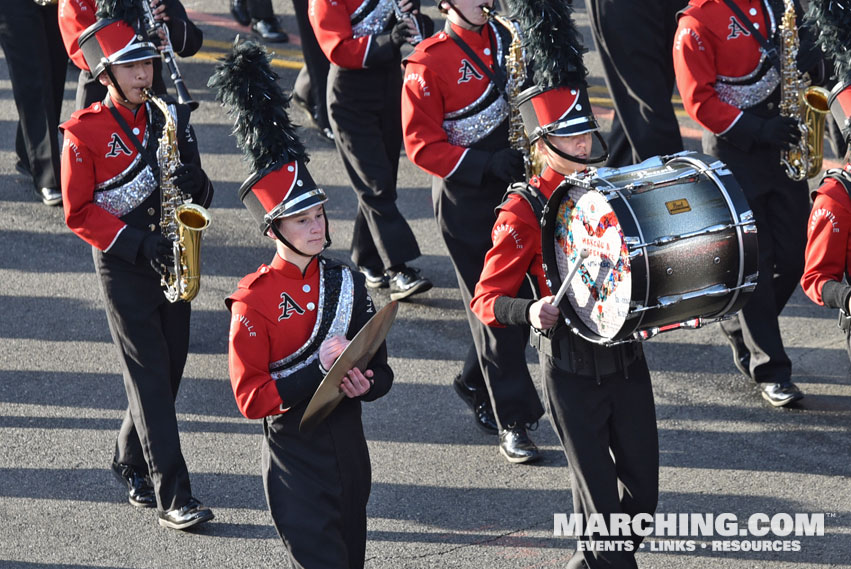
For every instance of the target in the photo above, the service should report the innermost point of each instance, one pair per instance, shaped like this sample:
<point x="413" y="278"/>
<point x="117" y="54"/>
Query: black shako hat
<point x="555" y="101"/>
<point x="280" y="184"/>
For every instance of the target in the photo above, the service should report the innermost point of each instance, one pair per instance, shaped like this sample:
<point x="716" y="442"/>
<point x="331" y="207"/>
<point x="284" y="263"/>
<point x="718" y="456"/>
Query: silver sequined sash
<point x="327" y="324"/>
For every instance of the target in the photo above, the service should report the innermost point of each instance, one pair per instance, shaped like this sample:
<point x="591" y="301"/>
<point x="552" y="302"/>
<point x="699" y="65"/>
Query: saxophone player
<point x="455" y="119"/>
<point x="112" y="200"/>
<point x="732" y="87"/>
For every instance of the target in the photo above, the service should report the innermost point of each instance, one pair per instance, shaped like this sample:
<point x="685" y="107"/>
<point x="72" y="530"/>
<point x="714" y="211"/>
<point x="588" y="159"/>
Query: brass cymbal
<point x="357" y="354"/>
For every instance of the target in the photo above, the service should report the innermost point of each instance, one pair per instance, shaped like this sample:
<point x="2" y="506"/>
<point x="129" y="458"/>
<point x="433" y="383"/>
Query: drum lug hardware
<point x="716" y="260"/>
<point x="666" y="239"/>
<point x="669" y="271"/>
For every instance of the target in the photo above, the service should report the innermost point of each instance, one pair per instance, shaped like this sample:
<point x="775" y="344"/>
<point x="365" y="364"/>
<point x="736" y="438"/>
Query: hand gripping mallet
<point x="562" y="290"/>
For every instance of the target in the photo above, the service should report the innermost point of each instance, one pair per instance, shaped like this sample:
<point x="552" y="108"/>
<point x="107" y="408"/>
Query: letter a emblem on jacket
<point x="736" y="29"/>
<point x="288" y="306"/>
<point x="468" y="72"/>
<point x="116" y="145"/>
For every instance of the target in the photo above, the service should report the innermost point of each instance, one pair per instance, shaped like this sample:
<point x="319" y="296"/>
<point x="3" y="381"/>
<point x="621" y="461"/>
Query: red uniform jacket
<point x="110" y="194"/>
<point x="74" y="17"/>
<point x="448" y="104"/>
<point x="719" y="65"/>
<point x="516" y="251"/>
<point x="275" y="332"/>
<point x="354" y="34"/>
<point x="828" y="245"/>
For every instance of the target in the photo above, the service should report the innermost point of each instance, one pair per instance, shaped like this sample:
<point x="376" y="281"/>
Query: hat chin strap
<point x="108" y="70"/>
<point x="592" y="160"/>
<point x="285" y="241"/>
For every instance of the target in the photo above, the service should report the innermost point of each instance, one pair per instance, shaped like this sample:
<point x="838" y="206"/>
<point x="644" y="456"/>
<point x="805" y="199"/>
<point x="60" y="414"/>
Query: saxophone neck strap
<point x="495" y="75"/>
<point x="145" y="153"/>
<point x="769" y="48"/>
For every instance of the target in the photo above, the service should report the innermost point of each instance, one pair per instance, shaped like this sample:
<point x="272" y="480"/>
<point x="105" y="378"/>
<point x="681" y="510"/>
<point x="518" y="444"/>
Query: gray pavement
<point x="442" y="495"/>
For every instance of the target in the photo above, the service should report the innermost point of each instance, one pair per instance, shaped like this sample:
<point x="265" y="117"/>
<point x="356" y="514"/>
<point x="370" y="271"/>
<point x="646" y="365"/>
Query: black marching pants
<point x="311" y="83"/>
<point x="634" y="39"/>
<point x="781" y="223"/>
<point x="317" y="486"/>
<point x="608" y="431"/>
<point x="497" y="357"/>
<point x="364" y="107"/>
<point x="152" y="338"/>
<point x="37" y="62"/>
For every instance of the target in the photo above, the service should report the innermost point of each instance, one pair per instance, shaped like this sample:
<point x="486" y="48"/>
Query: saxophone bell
<point x="184" y="281"/>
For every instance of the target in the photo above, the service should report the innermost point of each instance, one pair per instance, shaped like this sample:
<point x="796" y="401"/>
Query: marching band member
<point x="731" y="86"/>
<point x="362" y="40"/>
<point x="828" y="254"/>
<point x="599" y="398"/>
<point x="75" y="16"/>
<point x="290" y="320"/>
<point x="455" y="123"/>
<point x="112" y="199"/>
<point x="37" y="63"/>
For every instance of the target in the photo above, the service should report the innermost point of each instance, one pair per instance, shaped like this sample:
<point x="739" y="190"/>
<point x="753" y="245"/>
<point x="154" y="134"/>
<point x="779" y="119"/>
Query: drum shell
<point x="689" y="272"/>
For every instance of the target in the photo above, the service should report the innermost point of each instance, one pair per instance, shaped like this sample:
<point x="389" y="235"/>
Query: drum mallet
<point x="562" y="290"/>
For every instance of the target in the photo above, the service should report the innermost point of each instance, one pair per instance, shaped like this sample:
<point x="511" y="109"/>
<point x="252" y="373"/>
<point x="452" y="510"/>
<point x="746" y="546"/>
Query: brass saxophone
<point x="808" y="105"/>
<point x="180" y="222"/>
<point x="515" y="65"/>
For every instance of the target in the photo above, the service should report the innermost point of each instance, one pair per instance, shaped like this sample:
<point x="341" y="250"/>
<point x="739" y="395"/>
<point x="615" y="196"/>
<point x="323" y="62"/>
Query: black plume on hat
<point x="128" y="10"/>
<point x="553" y="44"/>
<point x="247" y="86"/>
<point x="833" y="19"/>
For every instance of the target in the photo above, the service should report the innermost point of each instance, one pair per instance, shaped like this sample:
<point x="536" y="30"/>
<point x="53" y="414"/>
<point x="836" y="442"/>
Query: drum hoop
<point x="709" y="172"/>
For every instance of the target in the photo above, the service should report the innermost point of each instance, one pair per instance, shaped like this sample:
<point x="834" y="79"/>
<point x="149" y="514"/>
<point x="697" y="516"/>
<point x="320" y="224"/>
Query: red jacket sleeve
<point x="74" y="17"/>
<point x="827" y="242"/>
<point x="695" y="68"/>
<point x="423" y="110"/>
<point x="515" y="245"/>
<point x="88" y="220"/>
<point x="255" y="391"/>
<point x="331" y="23"/>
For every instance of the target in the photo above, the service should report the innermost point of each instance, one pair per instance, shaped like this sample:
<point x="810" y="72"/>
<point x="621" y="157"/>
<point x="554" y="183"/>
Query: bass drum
<point x="671" y="242"/>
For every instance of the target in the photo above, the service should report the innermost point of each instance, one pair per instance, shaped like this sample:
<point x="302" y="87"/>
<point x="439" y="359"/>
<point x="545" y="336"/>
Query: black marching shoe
<point x="741" y="354"/>
<point x="516" y="446"/>
<point x="780" y="394"/>
<point x="270" y="30"/>
<point x="140" y="491"/>
<point x="407" y="282"/>
<point x="192" y="514"/>
<point x="49" y="196"/>
<point x="239" y="11"/>
<point x="480" y="404"/>
<point x="324" y="130"/>
<point x="375" y="279"/>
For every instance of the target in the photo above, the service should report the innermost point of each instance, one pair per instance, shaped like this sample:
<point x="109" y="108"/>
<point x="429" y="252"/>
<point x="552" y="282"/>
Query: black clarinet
<point x="152" y="28"/>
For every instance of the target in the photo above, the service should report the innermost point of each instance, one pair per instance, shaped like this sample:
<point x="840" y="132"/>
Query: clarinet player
<point x="77" y="15"/>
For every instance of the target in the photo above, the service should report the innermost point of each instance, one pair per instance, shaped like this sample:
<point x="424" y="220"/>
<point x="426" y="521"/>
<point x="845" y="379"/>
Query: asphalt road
<point x="442" y="495"/>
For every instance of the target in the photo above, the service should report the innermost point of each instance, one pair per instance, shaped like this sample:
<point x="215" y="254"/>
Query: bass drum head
<point x="596" y="304"/>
